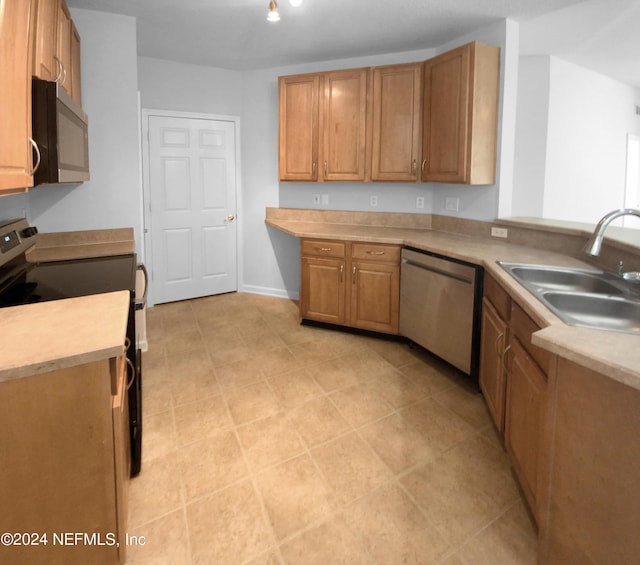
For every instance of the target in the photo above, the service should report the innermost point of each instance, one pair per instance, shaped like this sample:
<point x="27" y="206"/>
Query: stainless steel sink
<point x="574" y="280"/>
<point x="598" y="311"/>
<point x="582" y="297"/>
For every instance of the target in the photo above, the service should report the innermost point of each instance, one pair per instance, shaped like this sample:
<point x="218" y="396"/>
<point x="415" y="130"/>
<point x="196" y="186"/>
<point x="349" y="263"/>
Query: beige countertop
<point x="614" y="354"/>
<point x="62" y="246"/>
<point x="42" y="337"/>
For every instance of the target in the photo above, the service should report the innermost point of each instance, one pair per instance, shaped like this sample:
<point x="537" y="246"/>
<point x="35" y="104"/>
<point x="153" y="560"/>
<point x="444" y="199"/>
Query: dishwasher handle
<point x="443" y="267"/>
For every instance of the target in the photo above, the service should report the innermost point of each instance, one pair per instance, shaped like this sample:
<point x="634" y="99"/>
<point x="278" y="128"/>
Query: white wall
<point x="571" y="140"/>
<point x="112" y="198"/>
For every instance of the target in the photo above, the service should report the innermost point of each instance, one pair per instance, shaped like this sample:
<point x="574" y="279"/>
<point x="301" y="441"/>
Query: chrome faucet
<point x="595" y="241"/>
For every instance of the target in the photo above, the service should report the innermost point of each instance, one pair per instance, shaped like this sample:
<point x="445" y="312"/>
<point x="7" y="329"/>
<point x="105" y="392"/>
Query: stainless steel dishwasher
<point x="440" y="307"/>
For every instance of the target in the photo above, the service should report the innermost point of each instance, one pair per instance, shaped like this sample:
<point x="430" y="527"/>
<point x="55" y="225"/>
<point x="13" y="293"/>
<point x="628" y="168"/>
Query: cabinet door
<point x="375" y="296"/>
<point x="322" y="290"/>
<point x="44" y="63"/>
<point x="526" y="393"/>
<point x="397" y="93"/>
<point x="446" y="120"/>
<point x="344" y="120"/>
<point x="15" y="109"/>
<point x="492" y="373"/>
<point x="298" y="122"/>
<point x="63" y="51"/>
<point x="76" y="88"/>
<point x="460" y="115"/>
<point x="122" y="451"/>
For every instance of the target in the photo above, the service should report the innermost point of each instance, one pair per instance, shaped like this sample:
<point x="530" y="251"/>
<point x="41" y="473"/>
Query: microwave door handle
<point x="38" y="156"/>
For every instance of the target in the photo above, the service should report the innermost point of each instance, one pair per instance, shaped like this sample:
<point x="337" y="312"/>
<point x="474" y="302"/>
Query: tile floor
<point x="268" y="442"/>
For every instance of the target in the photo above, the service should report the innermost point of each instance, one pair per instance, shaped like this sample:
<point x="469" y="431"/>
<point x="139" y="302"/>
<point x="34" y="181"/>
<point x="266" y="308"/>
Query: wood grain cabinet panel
<point x="298" y="127"/>
<point x="460" y="115"/>
<point x="397" y="96"/>
<point x="352" y="284"/>
<point x="45" y="65"/>
<point x="16" y="39"/>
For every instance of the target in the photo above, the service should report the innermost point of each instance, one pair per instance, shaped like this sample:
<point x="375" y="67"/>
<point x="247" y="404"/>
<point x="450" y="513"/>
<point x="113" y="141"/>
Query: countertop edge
<point x="552" y="336"/>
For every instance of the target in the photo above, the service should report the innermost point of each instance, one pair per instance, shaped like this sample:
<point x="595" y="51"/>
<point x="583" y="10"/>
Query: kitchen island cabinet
<point x="65" y="429"/>
<point x="350" y="283"/>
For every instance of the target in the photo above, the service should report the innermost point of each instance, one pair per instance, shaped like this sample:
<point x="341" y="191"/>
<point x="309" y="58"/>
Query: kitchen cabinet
<point x="525" y="408"/>
<point x="57" y="46"/>
<point x="460" y="112"/>
<point x="45" y="65"/>
<point x="496" y="311"/>
<point x="71" y="423"/>
<point x="323" y="126"/>
<point x="396" y="99"/>
<point x="592" y="503"/>
<point x="68" y="53"/>
<point x="16" y="36"/>
<point x="350" y="283"/>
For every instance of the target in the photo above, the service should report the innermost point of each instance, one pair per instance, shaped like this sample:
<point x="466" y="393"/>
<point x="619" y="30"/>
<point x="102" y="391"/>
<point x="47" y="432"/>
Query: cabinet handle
<point x="353" y="275"/>
<point x="495" y="346"/>
<point x="61" y="72"/>
<point x="341" y="273"/>
<point x="414" y="165"/>
<point x="38" y="156"/>
<point x="375" y="252"/>
<point x="424" y="162"/>
<point x="504" y="357"/>
<point x="323" y="249"/>
<point x="326" y="168"/>
<point x="314" y="166"/>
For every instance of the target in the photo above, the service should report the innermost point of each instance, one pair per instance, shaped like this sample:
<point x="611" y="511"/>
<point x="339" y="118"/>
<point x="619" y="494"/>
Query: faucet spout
<point x="595" y="241"/>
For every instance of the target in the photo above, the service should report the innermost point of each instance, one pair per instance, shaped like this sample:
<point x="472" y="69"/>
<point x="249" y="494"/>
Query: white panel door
<point x="192" y="185"/>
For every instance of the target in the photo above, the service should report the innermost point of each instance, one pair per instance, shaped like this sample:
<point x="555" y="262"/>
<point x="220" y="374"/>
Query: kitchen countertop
<point x="63" y="246"/>
<point x="614" y="354"/>
<point x="45" y="336"/>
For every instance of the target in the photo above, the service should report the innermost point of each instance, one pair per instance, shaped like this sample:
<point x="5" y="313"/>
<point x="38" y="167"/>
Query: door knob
<point x="230" y="218"/>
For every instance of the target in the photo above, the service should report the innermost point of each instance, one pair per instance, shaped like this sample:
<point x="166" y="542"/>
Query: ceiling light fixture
<point x="295" y="3"/>
<point x="273" y="15"/>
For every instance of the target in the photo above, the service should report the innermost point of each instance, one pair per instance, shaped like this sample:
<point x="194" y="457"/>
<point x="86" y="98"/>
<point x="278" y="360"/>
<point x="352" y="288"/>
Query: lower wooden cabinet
<point x="66" y="464"/>
<point x="350" y="283"/>
<point x="513" y="379"/>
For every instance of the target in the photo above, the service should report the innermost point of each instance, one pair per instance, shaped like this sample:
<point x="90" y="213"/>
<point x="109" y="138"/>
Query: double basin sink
<point x="582" y="297"/>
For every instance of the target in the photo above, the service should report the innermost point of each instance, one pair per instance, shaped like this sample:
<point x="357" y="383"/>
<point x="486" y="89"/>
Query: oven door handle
<point x="140" y="304"/>
<point x="133" y="373"/>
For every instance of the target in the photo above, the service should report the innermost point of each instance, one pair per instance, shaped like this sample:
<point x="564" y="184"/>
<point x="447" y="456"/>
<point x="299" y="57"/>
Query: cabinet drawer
<point x="522" y="326"/>
<point x="500" y="300"/>
<point x="320" y="248"/>
<point x="376" y="252"/>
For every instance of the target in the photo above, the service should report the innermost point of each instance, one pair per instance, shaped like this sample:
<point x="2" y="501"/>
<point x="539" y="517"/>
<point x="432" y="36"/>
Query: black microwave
<point x="60" y="131"/>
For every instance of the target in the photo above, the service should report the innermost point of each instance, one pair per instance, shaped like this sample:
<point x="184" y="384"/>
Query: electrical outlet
<point x="373" y="201"/>
<point x="325" y="199"/>
<point x="316" y="200"/>
<point x="500" y="232"/>
<point x="451" y="203"/>
<point x="419" y="201"/>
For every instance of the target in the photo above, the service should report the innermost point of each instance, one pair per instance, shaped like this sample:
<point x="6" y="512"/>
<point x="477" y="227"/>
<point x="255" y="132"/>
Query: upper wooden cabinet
<point x="397" y="91"/>
<point x="343" y="125"/>
<point x="45" y="65"/>
<point x="322" y="126"/>
<point x="15" y="111"/>
<point x="57" y="46"/>
<point x="460" y="115"/>
<point x="298" y="122"/>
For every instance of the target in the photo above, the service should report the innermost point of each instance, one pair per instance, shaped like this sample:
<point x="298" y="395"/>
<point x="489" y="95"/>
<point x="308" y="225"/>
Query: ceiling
<point x="234" y="34"/>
